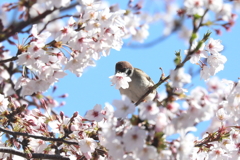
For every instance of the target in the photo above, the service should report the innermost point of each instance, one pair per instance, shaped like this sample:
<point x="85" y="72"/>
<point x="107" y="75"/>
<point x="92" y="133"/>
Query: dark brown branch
<point x="37" y="137"/>
<point x="10" y="31"/>
<point x="34" y="155"/>
<point x="8" y="60"/>
<point x="149" y="44"/>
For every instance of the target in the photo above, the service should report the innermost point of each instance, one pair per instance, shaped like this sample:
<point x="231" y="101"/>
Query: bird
<point x="139" y="85"/>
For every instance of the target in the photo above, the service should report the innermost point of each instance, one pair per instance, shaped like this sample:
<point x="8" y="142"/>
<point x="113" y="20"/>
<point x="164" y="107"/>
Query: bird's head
<point x="124" y="67"/>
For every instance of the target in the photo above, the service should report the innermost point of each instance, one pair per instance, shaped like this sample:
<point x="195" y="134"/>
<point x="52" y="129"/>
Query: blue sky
<point x="94" y="87"/>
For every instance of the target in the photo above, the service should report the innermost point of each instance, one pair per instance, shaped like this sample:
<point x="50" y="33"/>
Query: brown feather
<point x="148" y="78"/>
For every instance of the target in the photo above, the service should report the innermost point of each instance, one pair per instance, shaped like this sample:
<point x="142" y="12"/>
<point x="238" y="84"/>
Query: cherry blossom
<point x="161" y="121"/>
<point x="121" y="80"/>
<point x="134" y="138"/>
<point x="218" y="153"/>
<point x="217" y="62"/>
<point x="3" y="103"/>
<point x="59" y="125"/>
<point x="173" y="107"/>
<point x="87" y="145"/>
<point x="236" y="5"/>
<point x="147" y="152"/>
<point x="95" y="114"/>
<point x="196" y="56"/>
<point x="206" y="72"/>
<point x="226" y="12"/>
<point x="178" y="78"/>
<point x="215" y="5"/>
<point x="141" y="34"/>
<point x="194" y="7"/>
<point x="38" y="145"/>
<point x="222" y="115"/>
<point x="185" y="146"/>
<point x="58" y="4"/>
<point x="214" y="46"/>
<point x="116" y="149"/>
<point x="124" y="107"/>
<point x="148" y="111"/>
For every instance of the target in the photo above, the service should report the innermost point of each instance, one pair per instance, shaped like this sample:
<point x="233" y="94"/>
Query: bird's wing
<point x="148" y="78"/>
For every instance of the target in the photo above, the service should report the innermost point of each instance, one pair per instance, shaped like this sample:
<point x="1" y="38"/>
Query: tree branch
<point x="9" y="60"/>
<point x="34" y="155"/>
<point x="14" y="28"/>
<point x="37" y="137"/>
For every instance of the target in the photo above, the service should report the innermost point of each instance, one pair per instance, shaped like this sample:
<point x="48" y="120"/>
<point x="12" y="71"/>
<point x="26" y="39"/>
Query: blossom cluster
<point x="91" y="32"/>
<point x="36" y="124"/>
<point x="221" y="140"/>
<point x="126" y="134"/>
<point x="100" y="30"/>
<point x="212" y="56"/>
<point x="131" y="136"/>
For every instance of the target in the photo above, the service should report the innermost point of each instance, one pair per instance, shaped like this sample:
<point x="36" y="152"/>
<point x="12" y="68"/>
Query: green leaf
<point x="196" y="16"/>
<point x="178" y="58"/>
<point x="159" y="134"/>
<point x="134" y="120"/>
<point x="206" y="36"/>
<point x="159" y="141"/>
<point x="208" y="23"/>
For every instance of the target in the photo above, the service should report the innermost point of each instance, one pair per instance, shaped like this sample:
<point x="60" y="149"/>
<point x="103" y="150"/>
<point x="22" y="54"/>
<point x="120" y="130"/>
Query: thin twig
<point x="37" y="137"/>
<point x="151" y="89"/>
<point x="149" y="44"/>
<point x="190" y="53"/>
<point x="153" y="42"/>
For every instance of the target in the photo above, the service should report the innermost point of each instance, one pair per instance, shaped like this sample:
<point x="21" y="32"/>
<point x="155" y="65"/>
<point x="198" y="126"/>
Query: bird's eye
<point x="129" y="72"/>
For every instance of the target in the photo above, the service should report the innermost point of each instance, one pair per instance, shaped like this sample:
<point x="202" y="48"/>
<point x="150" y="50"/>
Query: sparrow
<point x="139" y="85"/>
